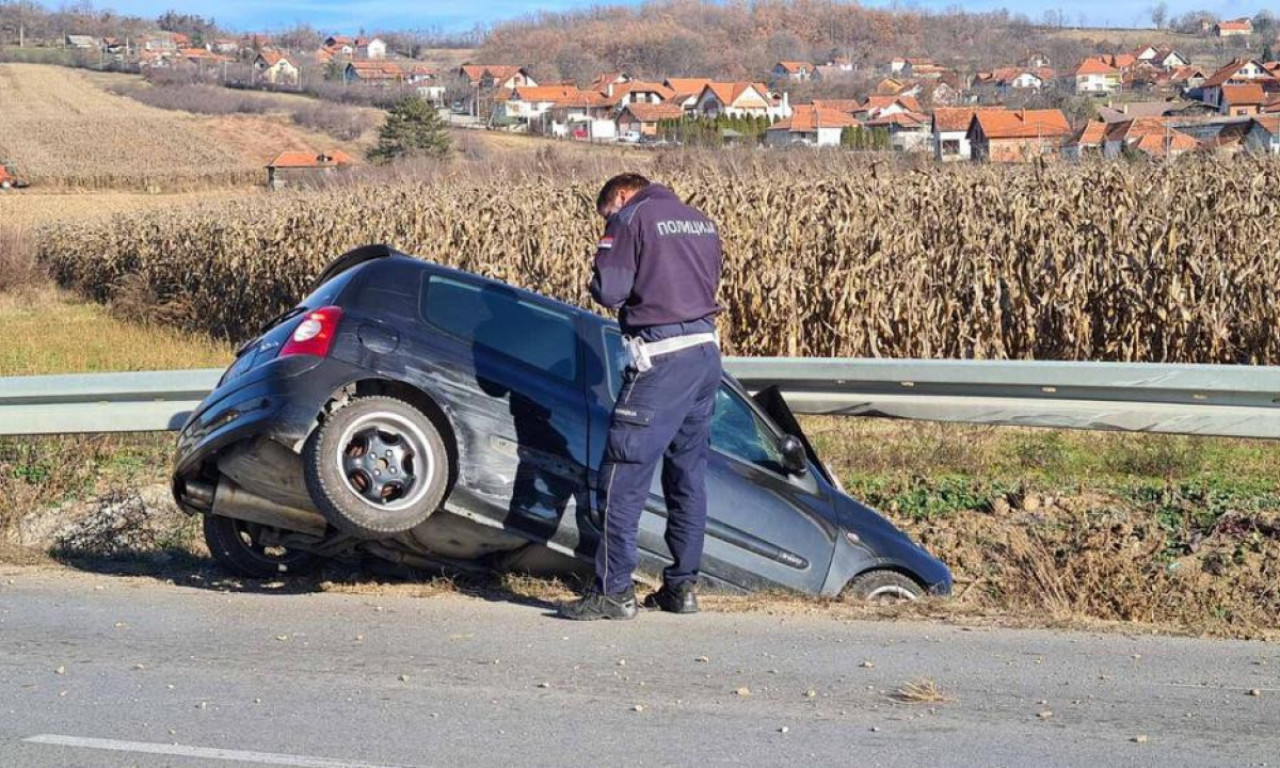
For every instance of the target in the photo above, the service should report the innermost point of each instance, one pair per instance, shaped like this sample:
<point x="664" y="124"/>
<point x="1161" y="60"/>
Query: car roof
<point x="371" y="265"/>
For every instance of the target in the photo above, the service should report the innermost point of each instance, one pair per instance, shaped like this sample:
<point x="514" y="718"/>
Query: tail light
<point x="314" y="335"/>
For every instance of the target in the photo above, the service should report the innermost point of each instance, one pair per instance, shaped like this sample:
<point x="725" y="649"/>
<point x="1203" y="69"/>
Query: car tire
<point x="376" y="467"/>
<point x="883" y="588"/>
<point x="233" y="545"/>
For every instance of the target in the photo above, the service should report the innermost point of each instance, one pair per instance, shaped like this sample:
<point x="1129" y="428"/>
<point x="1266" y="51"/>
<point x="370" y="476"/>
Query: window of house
<point x="496" y="318"/>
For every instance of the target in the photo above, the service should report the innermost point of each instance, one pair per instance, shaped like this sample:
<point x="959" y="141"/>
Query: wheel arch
<point x="413" y="395"/>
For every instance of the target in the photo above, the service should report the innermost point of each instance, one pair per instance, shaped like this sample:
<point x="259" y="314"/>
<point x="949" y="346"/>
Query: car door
<point x="764" y="528"/>
<point x="508" y="364"/>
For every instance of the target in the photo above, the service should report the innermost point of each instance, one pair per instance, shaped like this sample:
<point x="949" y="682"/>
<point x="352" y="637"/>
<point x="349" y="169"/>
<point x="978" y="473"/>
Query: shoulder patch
<point x="605" y="243"/>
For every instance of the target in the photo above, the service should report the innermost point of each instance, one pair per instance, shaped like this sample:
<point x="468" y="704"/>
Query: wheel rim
<point x="384" y="461"/>
<point x="250" y="536"/>
<point x="890" y="594"/>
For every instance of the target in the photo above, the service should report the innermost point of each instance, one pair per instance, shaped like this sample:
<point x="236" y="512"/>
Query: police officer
<point x="658" y="265"/>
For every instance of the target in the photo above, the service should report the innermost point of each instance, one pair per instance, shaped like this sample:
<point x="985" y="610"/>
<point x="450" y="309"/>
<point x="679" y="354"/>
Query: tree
<point x="413" y="129"/>
<point x="1160" y="14"/>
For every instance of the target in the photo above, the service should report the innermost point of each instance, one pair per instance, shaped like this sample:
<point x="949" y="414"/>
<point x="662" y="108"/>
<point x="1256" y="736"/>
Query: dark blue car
<point x="441" y="419"/>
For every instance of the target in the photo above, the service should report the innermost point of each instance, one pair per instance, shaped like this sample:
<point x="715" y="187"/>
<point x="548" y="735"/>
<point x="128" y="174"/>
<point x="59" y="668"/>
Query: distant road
<point x="109" y="671"/>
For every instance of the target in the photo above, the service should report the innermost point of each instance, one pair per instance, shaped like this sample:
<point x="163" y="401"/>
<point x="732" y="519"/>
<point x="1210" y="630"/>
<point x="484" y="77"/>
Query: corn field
<point x="1100" y="262"/>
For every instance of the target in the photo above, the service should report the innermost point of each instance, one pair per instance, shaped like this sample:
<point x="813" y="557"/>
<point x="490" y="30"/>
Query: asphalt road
<point x="110" y="671"/>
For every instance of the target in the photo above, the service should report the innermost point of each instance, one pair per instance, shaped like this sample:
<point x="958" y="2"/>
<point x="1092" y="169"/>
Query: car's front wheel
<point x="242" y="548"/>
<point x="883" y="588"/>
<point x="376" y="467"/>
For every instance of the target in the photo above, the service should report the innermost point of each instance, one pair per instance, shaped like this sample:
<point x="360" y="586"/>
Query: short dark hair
<point x="621" y="182"/>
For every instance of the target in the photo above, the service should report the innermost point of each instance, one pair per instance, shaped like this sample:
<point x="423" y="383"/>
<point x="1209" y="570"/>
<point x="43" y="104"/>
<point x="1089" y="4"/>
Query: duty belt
<point x="642" y="352"/>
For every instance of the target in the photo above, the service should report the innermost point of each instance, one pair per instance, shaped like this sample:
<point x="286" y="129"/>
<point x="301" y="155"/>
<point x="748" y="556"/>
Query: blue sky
<point x="457" y="16"/>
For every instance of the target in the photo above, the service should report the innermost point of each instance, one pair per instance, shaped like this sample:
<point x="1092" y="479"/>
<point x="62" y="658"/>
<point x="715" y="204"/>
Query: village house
<point x="636" y="92"/>
<point x="923" y="69"/>
<point x="1004" y="136"/>
<point x="908" y="131"/>
<point x="300" y="167"/>
<point x="370" y="48"/>
<point x="586" y="115"/>
<point x="366" y="72"/>
<point x="950" y="133"/>
<point x="809" y="125"/>
<point x="275" y="68"/>
<point x="1213" y="91"/>
<point x="1127" y="110"/>
<point x="642" y="119"/>
<point x="877" y="106"/>
<point x="741" y="100"/>
<point x="685" y="91"/>
<point x="603" y="81"/>
<point x="528" y="103"/>
<point x="1087" y="142"/>
<point x="1007" y="80"/>
<point x="1095" y="76"/>
<point x="1264" y="135"/>
<point x="1242" y="27"/>
<point x="500" y="77"/>
<point x="799" y="71"/>
<point x="1189" y="78"/>
<point x="82" y="42"/>
<point x="1149" y="135"/>
<point x="225" y="45"/>
<point x="1161" y="57"/>
<point x="340" y="44"/>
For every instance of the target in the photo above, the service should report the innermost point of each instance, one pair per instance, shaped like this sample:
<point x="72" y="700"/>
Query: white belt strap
<point x="642" y="352"/>
<point x="667" y="346"/>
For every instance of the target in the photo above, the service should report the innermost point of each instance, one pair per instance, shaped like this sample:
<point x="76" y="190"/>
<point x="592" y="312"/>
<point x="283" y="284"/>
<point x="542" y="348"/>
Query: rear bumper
<point x="280" y="400"/>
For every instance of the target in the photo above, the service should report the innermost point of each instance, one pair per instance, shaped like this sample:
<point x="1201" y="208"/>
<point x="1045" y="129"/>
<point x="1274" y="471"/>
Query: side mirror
<point x="794" y="458"/>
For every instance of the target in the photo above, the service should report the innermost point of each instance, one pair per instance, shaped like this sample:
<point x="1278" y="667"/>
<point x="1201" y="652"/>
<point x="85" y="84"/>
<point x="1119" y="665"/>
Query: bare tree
<point x="1160" y="14"/>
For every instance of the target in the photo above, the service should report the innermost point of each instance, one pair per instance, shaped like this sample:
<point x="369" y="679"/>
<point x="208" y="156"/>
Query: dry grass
<point x="922" y="691"/>
<point x="19" y="272"/>
<point x="48" y="331"/>
<point x="1114" y="262"/>
<point x="33" y="207"/>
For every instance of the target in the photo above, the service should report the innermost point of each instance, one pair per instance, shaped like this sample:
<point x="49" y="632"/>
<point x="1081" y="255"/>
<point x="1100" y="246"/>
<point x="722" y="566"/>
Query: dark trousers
<point x="663" y="413"/>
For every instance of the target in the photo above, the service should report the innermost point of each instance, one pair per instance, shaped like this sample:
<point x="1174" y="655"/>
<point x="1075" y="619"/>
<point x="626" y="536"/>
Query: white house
<point x="371" y="48"/>
<point x="950" y="133"/>
<point x="810" y="126"/>
<point x="528" y="103"/>
<point x="741" y="100"/>
<point x="1237" y="72"/>
<point x="1095" y="76"/>
<point x="798" y="71"/>
<point x="275" y="68"/>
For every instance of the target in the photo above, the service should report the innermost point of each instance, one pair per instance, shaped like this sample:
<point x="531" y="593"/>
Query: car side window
<point x="497" y="319"/>
<point x="736" y="429"/>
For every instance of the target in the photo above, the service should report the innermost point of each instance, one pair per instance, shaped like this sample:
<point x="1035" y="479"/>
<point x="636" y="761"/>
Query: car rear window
<point x="497" y="319"/>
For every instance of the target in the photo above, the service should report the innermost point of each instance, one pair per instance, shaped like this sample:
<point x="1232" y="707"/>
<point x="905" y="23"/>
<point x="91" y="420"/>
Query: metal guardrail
<point x="1229" y="401"/>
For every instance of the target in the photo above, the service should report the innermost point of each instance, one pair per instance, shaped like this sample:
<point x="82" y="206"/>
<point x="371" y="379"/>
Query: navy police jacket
<point x="658" y="263"/>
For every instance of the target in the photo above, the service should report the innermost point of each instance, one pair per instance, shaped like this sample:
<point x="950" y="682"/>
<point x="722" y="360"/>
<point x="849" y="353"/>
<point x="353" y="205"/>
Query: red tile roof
<point x="904" y="119"/>
<point x="652" y="113"/>
<point x="1095" y="67"/>
<point x="1092" y="134"/>
<point x="848" y="106"/>
<point x="879" y="102"/>
<point x="1158" y="145"/>
<point x="1228" y="73"/>
<point x="1236" y="25"/>
<point x="806" y="118"/>
<point x="1022" y="124"/>
<point x="955" y="118"/>
<point x="1269" y="123"/>
<point x="549" y="93"/>
<point x="295" y="159"/>
<point x="1246" y="95"/>
<point x="729" y="93"/>
<point x="794" y="67"/>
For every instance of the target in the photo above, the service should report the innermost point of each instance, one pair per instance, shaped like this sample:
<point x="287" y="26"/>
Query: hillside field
<point x="65" y="130"/>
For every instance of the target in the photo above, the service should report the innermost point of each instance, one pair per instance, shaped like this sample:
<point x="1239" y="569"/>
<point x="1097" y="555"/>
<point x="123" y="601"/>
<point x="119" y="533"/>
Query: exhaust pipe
<point x="231" y="500"/>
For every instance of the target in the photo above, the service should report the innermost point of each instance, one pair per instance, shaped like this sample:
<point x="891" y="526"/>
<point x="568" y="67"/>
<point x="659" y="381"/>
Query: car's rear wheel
<point x="376" y="467"/>
<point x="883" y="588"/>
<point x="241" y="548"/>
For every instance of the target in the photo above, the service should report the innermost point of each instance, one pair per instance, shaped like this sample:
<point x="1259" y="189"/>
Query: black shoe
<point x="596" y="606"/>
<point x="679" y="599"/>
